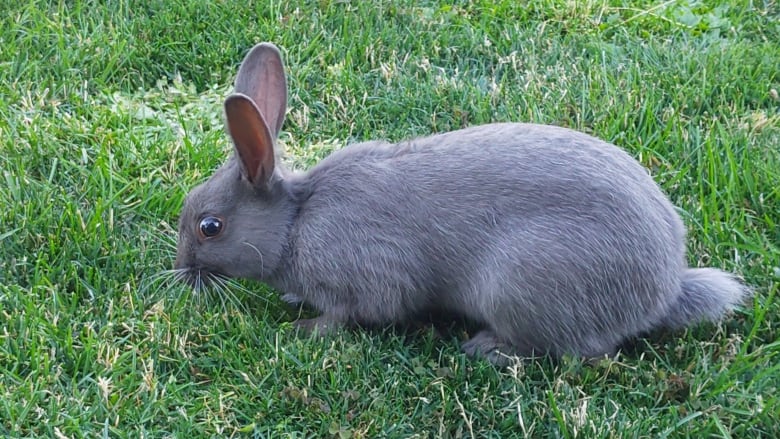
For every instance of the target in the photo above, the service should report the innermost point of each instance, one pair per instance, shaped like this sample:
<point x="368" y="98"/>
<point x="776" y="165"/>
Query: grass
<point x="111" y="111"/>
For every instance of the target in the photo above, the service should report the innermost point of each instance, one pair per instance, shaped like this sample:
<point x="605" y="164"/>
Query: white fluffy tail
<point x="707" y="294"/>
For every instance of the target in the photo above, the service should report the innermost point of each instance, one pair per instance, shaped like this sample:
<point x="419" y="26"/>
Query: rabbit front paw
<point x="320" y="326"/>
<point x="292" y="299"/>
<point x="487" y="345"/>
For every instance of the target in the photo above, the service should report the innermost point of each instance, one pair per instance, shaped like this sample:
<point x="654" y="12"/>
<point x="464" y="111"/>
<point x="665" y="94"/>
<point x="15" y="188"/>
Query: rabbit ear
<point x="252" y="138"/>
<point x="261" y="77"/>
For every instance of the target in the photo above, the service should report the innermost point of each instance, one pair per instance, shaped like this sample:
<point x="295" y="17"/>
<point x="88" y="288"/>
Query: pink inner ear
<point x="261" y="78"/>
<point x="251" y="137"/>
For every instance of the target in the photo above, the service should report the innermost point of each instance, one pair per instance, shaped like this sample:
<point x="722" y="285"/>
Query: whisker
<point x="221" y="286"/>
<point x="160" y="246"/>
<point x="232" y="297"/>
<point x="219" y="289"/>
<point x="259" y="254"/>
<point x="155" y="285"/>
<point x="240" y="288"/>
<point x="180" y="275"/>
<point x="164" y="247"/>
<point x="197" y="287"/>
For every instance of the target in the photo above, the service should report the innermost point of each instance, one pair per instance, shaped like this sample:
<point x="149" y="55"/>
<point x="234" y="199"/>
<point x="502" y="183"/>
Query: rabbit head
<point x="235" y="223"/>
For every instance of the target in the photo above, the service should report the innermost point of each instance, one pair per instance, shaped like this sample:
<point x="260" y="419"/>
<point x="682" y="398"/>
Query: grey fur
<point x="554" y="241"/>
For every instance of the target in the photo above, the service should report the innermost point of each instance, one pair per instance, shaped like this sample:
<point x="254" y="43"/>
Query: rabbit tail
<point x="707" y="294"/>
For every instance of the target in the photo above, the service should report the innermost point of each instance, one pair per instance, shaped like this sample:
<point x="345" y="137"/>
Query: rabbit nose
<point x="181" y="261"/>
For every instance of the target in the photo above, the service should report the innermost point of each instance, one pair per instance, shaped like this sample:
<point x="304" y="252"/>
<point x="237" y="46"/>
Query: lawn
<point x="112" y="111"/>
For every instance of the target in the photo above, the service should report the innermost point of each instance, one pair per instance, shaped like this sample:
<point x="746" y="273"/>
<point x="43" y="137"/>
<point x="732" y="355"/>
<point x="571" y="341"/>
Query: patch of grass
<point x="111" y="111"/>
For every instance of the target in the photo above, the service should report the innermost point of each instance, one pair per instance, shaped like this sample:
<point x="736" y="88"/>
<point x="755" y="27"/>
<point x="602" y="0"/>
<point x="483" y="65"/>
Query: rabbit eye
<point x="210" y="226"/>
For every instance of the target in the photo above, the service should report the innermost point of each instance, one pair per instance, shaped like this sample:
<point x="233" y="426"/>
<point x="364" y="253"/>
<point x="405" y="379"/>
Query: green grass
<point x="111" y="111"/>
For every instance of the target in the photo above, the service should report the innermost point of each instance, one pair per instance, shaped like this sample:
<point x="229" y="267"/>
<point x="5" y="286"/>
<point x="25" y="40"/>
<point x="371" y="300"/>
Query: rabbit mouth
<point x="200" y="278"/>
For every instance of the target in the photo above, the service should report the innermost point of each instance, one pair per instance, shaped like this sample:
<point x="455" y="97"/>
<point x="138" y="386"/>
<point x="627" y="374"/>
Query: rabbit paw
<point x="486" y="344"/>
<point x="320" y="326"/>
<point x="292" y="299"/>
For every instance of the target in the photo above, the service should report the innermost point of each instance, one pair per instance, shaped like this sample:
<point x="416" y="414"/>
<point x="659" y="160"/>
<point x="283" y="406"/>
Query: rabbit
<point x="551" y="241"/>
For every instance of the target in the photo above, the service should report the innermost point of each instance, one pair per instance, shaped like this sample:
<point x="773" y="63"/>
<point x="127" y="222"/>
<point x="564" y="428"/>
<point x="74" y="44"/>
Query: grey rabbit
<point x="550" y="240"/>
